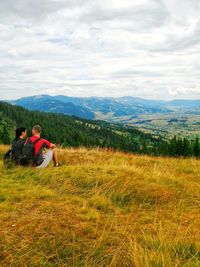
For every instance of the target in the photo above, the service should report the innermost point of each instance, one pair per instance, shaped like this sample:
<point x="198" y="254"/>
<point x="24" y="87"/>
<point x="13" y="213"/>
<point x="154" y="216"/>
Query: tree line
<point x="184" y="147"/>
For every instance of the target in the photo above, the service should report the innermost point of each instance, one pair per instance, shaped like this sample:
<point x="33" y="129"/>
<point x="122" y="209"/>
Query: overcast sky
<point x="145" y="48"/>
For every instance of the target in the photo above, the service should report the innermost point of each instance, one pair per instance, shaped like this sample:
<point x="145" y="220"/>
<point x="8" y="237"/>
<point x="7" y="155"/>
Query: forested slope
<point x="72" y="131"/>
<point x="75" y="132"/>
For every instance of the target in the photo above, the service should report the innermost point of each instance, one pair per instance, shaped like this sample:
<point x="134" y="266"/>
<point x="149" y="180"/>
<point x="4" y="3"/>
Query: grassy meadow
<point x="101" y="209"/>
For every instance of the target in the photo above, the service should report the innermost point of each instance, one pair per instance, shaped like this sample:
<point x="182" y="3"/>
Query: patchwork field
<point x="101" y="209"/>
<point x="183" y="124"/>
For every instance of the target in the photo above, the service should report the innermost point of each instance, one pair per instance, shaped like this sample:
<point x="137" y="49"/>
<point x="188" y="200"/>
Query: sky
<point x="142" y="48"/>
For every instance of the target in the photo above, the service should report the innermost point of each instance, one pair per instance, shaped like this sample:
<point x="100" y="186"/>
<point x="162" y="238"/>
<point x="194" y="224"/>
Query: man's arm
<point x="48" y="144"/>
<point x="52" y="146"/>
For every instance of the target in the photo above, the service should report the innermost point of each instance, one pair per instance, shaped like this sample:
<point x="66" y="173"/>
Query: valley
<point x="165" y="118"/>
<point x="185" y="125"/>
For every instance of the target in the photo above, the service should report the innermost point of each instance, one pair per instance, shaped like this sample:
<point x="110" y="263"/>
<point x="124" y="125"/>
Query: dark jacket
<point x="16" y="148"/>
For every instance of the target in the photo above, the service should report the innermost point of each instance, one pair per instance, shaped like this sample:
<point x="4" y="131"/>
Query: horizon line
<point x="93" y="96"/>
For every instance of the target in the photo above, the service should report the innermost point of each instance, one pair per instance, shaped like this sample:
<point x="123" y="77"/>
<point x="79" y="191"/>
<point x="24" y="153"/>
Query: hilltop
<point x="102" y="208"/>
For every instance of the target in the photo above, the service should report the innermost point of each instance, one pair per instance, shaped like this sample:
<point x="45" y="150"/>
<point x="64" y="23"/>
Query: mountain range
<point x="107" y="108"/>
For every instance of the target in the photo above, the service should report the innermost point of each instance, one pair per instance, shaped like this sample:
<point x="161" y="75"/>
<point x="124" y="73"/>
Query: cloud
<point x="185" y="91"/>
<point x="146" y="48"/>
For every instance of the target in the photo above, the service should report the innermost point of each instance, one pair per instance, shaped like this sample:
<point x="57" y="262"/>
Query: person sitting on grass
<point x="14" y="154"/>
<point x="18" y="144"/>
<point x="39" y="159"/>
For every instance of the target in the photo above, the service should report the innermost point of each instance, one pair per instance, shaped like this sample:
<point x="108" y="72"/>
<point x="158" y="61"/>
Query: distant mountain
<point x="124" y="106"/>
<point x="184" y="103"/>
<point x="108" y="108"/>
<point x="50" y="104"/>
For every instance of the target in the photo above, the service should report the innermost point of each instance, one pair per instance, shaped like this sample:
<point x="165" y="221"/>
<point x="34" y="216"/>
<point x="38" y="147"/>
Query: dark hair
<point x="37" y="128"/>
<point x="19" y="132"/>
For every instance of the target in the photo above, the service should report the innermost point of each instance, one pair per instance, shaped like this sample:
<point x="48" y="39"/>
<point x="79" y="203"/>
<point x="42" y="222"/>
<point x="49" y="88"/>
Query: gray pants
<point x="48" y="156"/>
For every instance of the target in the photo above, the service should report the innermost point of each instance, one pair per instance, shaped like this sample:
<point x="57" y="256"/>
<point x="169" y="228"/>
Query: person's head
<point x="21" y="133"/>
<point x="37" y="129"/>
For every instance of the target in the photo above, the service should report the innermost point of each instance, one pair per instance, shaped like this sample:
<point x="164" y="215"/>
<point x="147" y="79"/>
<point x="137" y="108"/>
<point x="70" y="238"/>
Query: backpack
<point x="13" y="155"/>
<point x="8" y="160"/>
<point x="28" y="152"/>
<point x="17" y="148"/>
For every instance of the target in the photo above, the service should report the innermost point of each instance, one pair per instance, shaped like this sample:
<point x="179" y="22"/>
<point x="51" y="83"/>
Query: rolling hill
<point x="150" y="116"/>
<point x="109" y="108"/>
<point x="50" y="104"/>
<point x="74" y="131"/>
<point x="101" y="209"/>
<point x="69" y="131"/>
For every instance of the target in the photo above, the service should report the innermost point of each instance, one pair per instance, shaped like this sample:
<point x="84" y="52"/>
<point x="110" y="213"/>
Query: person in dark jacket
<point x="20" y="133"/>
<point x="18" y="144"/>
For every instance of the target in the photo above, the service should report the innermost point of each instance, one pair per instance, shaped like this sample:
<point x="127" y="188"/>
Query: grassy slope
<point x="101" y="209"/>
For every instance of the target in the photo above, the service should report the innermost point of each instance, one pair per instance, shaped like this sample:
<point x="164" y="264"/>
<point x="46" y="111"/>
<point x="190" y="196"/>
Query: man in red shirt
<point x="42" y="159"/>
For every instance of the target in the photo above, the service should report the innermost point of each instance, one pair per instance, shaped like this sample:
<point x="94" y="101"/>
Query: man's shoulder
<point x="44" y="140"/>
<point x="34" y="138"/>
<point x="40" y="140"/>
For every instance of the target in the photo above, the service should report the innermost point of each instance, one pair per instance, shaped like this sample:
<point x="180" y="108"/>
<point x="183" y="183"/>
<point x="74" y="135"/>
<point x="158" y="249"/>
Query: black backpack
<point x="8" y="160"/>
<point x="28" y="152"/>
<point x="17" y="148"/>
<point x="13" y="156"/>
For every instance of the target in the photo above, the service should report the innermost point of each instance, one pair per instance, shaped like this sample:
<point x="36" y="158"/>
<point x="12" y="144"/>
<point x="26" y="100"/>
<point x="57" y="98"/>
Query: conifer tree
<point x="196" y="149"/>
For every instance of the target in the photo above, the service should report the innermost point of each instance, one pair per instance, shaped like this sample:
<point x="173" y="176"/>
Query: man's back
<point x="39" y="146"/>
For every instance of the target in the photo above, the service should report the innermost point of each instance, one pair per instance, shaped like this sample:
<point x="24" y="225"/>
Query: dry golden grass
<point x="101" y="209"/>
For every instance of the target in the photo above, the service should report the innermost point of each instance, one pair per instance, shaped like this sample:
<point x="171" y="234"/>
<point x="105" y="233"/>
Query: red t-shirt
<point x="39" y="146"/>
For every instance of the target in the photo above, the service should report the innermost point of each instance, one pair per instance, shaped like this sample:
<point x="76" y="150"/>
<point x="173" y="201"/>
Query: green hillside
<point x="72" y="131"/>
<point x="75" y="132"/>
